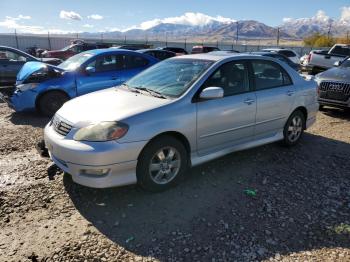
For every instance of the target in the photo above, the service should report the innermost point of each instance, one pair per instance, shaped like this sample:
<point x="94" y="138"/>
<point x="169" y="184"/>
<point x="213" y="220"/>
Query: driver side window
<point x="12" y="56"/>
<point x="232" y="77"/>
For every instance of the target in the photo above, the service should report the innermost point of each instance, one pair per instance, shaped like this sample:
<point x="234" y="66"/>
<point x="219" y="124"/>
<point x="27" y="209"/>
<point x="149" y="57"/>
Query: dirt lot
<point x="301" y="210"/>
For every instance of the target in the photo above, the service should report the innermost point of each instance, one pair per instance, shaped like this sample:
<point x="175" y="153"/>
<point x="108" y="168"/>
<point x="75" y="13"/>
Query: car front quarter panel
<point x="178" y="116"/>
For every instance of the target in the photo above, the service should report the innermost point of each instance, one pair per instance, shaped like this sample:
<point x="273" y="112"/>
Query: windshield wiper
<point x="131" y="89"/>
<point x="152" y="92"/>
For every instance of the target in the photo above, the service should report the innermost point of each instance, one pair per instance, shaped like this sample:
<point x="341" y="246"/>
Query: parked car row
<point x="46" y="88"/>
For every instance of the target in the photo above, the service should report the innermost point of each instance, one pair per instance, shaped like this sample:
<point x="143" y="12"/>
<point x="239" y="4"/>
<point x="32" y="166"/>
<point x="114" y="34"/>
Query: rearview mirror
<point x="90" y="70"/>
<point x="338" y="63"/>
<point x="210" y="93"/>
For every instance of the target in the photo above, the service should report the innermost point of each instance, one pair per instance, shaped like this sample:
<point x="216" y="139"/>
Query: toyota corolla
<point x="179" y="113"/>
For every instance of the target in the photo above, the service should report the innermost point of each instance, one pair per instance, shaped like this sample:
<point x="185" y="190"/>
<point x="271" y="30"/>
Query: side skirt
<point x="197" y="160"/>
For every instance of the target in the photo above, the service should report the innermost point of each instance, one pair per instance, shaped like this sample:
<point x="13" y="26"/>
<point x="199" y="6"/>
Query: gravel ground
<point x="297" y="209"/>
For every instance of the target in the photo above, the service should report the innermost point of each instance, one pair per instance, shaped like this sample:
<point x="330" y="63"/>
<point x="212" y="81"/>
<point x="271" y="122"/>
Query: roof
<point x="216" y="56"/>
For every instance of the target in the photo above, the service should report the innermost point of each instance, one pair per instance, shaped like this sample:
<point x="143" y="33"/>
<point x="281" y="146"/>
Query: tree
<point x="318" y="40"/>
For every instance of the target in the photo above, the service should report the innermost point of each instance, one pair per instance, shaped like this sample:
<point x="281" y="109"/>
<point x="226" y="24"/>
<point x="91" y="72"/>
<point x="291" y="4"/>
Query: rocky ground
<point x="269" y="203"/>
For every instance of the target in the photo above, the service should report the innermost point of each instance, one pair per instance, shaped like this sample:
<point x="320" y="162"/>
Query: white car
<point x="291" y="54"/>
<point x="179" y="113"/>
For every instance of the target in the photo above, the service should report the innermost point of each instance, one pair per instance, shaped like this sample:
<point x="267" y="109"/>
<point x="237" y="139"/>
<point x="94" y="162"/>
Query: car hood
<point x="111" y="104"/>
<point x="30" y="68"/>
<point x="335" y="74"/>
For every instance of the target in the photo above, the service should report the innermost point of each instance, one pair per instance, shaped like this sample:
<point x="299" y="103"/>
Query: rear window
<point x="341" y="50"/>
<point x="287" y="53"/>
<point x="197" y="49"/>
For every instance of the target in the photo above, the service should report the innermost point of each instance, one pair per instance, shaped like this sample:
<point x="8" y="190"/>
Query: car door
<point x="102" y="72"/>
<point x="228" y="121"/>
<point x="275" y="97"/>
<point x="11" y="64"/>
<point x="133" y="64"/>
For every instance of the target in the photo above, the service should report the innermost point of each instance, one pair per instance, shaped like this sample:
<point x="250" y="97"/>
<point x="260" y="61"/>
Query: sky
<point x="63" y="16"/>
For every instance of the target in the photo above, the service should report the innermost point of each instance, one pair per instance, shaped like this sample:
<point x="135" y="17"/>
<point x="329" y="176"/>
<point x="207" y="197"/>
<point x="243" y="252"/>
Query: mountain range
<point x="224" y="29"/>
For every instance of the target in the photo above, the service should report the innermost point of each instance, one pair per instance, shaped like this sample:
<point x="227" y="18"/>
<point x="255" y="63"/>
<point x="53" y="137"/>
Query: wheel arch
<point x="46" y="92"/>
<point x="177" y="135"/>
<point x="304" y="111"/>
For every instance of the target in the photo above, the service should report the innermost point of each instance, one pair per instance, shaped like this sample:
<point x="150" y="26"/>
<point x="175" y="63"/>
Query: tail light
<point x="309" y="57"/>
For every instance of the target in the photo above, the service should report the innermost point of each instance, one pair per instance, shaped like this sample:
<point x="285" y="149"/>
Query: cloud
<point x="345" y="13"/>
<point x="88" y="26"/>
<point x="70" y="15"/>
<point x="287" y="19"/>
<point x="95" y="17"/>
<point x="189" y="18"/>
<point x="11" y="23"/>
<point x="320" y="16"/>
<point x="19" y="17"/>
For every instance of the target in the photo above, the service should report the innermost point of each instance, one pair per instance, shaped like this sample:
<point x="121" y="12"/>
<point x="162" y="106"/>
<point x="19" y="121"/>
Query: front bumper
<point x="21" y="101"/>
<point x="334" y="103"/>
<point x="74" y="157"/>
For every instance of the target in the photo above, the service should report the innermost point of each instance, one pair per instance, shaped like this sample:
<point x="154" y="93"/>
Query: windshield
<point x="66" y="48"/>
<point x="171" y="77"/>
<point x="75" y="61"/>
<point x="346" y="63"/>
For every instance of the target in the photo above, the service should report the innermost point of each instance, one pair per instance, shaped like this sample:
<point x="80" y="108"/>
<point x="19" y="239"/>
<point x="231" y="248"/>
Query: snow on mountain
<point x="202" y="26"/>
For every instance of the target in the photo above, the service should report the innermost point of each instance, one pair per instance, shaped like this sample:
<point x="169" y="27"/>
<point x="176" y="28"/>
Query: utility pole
<point x="329" y="30"/>
<point x="237" y="33"/>
<point x="48" y="39"/>
<point x="347" y="37"/>
<point x="185" y="43"/>
<point x="16" y="38"/>
<point x="124" y="39"/>
<point x="77" y="35"/>
<point x="278" y="36"/>
<point x="166" y="39"/>
<point x="101" y="37"/>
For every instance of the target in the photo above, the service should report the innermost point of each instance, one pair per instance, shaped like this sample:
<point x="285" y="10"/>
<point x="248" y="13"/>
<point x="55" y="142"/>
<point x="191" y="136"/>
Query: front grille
<point x="60" y="126"/>
<point x="335" y="90"/>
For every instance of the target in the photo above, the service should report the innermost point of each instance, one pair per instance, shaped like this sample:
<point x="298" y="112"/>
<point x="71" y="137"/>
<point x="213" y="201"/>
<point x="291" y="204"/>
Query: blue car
<point x="46" y="88"/>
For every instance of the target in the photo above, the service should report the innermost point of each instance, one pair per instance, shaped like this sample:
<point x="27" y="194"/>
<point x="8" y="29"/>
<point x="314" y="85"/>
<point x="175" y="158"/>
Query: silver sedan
<point x="179" y="113"/>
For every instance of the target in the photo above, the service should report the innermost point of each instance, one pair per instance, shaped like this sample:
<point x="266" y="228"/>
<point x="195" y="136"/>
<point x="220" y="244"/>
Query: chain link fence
<point x="49" y="42"/>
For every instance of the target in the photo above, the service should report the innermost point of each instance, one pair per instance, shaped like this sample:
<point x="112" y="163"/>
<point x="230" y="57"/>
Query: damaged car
<point x="46" y="88"/>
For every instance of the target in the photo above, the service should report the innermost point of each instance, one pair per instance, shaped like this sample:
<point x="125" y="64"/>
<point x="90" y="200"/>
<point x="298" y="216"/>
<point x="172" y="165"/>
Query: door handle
<point x="249" y="101"/>
<point x="290" y="93"/>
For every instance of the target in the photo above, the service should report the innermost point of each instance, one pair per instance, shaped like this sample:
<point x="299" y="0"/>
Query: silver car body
<point x="208" y="129"/>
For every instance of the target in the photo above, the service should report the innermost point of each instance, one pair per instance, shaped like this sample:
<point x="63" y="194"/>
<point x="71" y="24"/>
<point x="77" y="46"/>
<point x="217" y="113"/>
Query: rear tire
<point x="50" y="102"/>
<point x="321" y="108"/>
<point x="162" y="164"/>
<point x="294" y="128"/>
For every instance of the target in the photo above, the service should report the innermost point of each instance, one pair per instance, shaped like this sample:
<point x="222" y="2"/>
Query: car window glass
<point x="12" y="56"/>
<point x="268" y="75"/>
<point x="232" y="77"/>
<point x="287" y="53"/>
<point x="133" y="61"/>
<point x="341" y="50"/>
<point x="108" y="63"/>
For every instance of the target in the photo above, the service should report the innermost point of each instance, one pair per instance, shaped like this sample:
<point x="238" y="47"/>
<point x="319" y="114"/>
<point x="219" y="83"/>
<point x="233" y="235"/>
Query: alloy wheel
<point x="165" y="165"/>
<point x="295" y="128"/>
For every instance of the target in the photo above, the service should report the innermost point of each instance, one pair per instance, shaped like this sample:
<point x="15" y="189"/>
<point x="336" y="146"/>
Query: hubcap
<point x="165" y="165"/>
<point x="295" y="129"/>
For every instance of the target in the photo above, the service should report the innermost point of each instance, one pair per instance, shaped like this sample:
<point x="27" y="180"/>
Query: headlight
<point x="25" y="87"/>
<point x="100" y="132"/>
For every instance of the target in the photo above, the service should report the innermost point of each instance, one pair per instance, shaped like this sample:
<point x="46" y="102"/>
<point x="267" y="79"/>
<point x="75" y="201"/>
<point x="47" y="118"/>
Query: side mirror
<point x="90" y="70"/>
<point x="210" y="93"/>
<point x="338" y="63"/>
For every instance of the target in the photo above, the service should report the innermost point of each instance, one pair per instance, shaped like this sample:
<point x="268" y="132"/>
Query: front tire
<point x="50" y="102"/>
<point x="294" y="128"/>
<point x="162" y="164"/>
